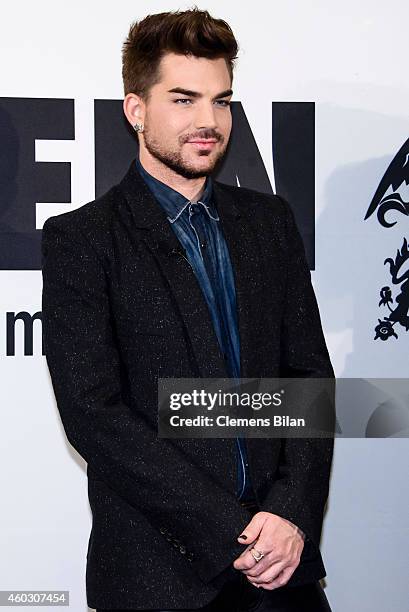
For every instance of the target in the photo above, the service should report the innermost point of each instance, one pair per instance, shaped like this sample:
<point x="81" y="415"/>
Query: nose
<point x="205" y="116"/>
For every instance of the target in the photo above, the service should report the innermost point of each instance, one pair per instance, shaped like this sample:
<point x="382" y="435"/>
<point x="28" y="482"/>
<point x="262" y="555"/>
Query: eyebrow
<point x="196" y="94"/>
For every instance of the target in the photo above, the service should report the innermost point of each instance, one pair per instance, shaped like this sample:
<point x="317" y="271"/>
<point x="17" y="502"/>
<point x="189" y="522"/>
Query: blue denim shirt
<point x="196" y="225"/>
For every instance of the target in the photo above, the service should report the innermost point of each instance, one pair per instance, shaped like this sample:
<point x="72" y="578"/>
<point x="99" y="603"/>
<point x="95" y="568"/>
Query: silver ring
<point x="259" y="555"/>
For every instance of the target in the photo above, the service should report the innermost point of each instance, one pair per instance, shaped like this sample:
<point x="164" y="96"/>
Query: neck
<point x="190" y="188"/>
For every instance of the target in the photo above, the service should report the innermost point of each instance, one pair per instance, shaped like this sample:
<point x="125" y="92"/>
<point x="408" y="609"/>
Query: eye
<point x="182" y="100"/>
<point x="225" y="102"/>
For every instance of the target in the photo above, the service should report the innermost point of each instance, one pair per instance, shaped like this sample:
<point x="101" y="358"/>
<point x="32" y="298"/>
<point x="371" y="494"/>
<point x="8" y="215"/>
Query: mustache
<point x="205" y="135"/>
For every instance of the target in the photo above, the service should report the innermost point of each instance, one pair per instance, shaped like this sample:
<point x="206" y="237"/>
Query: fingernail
<point x="243" y="536"/>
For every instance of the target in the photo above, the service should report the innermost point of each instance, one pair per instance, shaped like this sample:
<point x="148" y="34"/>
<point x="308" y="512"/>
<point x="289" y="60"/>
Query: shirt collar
<point x="173" y="202"/>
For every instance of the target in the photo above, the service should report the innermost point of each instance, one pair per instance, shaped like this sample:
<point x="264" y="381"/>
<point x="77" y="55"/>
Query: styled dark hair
<point x="190" y="32"/>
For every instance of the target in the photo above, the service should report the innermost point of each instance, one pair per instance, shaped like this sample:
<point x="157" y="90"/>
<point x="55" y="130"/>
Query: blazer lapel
<point x="156" y="232"/>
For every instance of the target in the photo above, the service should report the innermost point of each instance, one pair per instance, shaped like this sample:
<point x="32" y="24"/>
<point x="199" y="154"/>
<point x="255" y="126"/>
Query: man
<point x="173" y="274"/>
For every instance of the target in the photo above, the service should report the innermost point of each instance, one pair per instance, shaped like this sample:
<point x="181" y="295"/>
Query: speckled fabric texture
<point x="122" y="308"/>
<point x="197" y="227"/>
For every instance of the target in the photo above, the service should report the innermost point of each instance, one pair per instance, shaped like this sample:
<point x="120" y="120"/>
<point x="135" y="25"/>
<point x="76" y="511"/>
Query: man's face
<point x="200" y="111"/>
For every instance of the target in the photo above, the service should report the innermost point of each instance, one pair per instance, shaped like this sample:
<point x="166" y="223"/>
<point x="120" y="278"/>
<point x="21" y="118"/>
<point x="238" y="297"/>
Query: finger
<point x="248" y="561"/>
<point x="270" y="573"/>
<point x="280" y="580"/>
<point x="267" y="543"/>
<point x="261" y="566"/>
<point x="242" y="560"/>
<point x="252" y="531"/>
<point x="248" y="564"/>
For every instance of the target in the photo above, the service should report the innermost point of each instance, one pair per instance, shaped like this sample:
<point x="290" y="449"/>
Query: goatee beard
<point x="174" y="161"/>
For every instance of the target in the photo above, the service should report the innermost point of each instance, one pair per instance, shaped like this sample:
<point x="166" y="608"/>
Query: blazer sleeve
<point x="150" y="473"/>
<point x="300" y="488"/>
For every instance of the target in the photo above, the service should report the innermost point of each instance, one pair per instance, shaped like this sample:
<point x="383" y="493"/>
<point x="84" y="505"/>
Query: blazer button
<point x="162" y="529"/>
<point x="182" y="549"/>
<point x="190" y="556"/>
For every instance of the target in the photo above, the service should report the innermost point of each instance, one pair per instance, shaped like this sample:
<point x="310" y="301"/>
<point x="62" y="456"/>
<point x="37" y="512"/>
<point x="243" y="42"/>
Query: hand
<point x="281" y="542"/>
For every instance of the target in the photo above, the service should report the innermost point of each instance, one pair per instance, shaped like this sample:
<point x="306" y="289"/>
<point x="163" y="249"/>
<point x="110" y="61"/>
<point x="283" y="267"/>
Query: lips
<point x="202" y="141"/>
<point x="203" y="145"/>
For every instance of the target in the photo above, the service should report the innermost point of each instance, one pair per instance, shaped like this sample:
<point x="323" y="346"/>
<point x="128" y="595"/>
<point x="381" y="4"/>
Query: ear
<point x="134" y="109"/>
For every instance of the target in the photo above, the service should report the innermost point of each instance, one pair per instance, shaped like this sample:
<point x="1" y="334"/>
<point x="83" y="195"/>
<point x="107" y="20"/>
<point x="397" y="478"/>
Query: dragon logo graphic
<point x="388" y="197"/>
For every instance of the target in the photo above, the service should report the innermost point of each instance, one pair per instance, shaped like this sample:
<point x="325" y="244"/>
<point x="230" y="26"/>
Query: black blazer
<point x="121" y="308"/>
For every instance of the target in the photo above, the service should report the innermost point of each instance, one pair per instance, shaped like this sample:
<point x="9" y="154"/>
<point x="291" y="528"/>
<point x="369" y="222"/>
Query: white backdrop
<point x="350" y="59"/>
